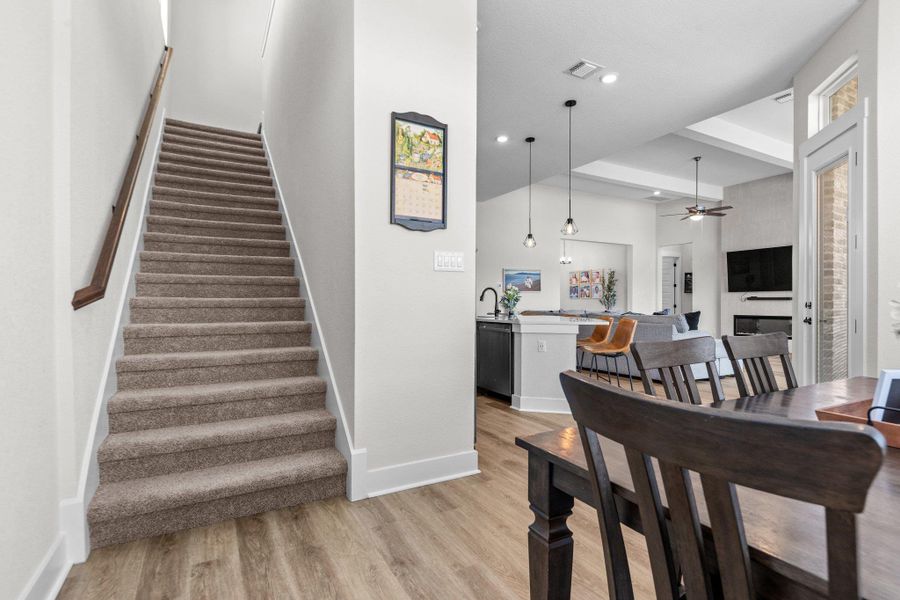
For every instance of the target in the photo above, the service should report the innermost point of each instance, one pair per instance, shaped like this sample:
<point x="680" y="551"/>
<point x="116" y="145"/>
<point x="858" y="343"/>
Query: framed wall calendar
<point x="418" y="172"/>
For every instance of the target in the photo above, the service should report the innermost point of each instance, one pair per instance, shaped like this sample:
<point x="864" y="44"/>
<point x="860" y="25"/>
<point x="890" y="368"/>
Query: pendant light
<point x="529" y="242"/>
<point x="569" y="227"/>
<point x="565" y="259"/>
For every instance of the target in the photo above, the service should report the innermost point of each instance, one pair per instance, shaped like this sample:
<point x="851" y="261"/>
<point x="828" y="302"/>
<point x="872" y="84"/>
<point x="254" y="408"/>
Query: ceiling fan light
<point x="569" y="227"/>
<point x="696" y="217"/>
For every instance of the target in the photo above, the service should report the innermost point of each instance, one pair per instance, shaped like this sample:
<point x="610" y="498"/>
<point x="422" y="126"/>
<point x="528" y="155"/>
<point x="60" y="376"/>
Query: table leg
<point x="550" y="542"/>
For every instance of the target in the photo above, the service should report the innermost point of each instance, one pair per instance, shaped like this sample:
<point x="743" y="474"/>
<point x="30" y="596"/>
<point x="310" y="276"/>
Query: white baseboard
<point x="397" y="478"/>
<point x="48" y="578"/>
<point x="541" y="405"/>
<point x="356" y="457"/>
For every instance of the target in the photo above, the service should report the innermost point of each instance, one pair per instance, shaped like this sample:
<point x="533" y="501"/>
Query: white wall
<point x="593" y="256"/>
<point x="762" y="217"/>
<point x="28" y="496"/>
<point x="705" y="239"/>
<point x="503" y="223"/>
<point x="858" y="36"/>
<point x="415" y="329"/>
<point x="888" y="215"/>
<point x="217" y="67"/>
<point x="307" y="96"/>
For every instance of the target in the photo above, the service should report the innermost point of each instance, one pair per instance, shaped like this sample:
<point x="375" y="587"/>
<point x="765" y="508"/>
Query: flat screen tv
<point x="760" y="270"/>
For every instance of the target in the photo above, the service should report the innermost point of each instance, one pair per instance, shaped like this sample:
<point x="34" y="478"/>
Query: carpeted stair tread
<point x="277" y="280"/>
<point x="225" y="309"/>
<point x="151" y="330"/>
<point x="176" y="158"/>
<point x="168" y="440"/>
<point x="214" y="358"/>
<point x="142" y="496"/>
<point x="171" y="194"/>
<point x="207" y="173"/>
<point x="204" y="212"/>
<point x="228" y="187"/>
<point x="204" y="244"/>
<point x="192" y="263"/>
<point x="199" y="152"/>
<point x="176" y="302"/>
<point x="215" y="137"/>
<point x="195" y="395"/>
<point x="220" y="228"/>
<point x="220" y="130"/>
<point x="193" y="142"/>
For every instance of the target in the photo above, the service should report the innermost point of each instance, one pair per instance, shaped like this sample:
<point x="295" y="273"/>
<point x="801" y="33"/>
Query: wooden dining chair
<point x="827" y="464"/>
<point x="673" y="360"/>
<point x="754" y="352"/>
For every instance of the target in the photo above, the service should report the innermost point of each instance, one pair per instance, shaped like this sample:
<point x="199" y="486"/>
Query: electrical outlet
<point x="542" y="346"/>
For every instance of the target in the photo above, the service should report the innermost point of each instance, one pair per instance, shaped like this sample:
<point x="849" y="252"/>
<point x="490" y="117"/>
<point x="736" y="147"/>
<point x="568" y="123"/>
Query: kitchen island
<point x="522" y="358"/>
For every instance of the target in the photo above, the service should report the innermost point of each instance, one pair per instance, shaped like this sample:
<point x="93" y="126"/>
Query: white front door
<point x="829" y="327"/>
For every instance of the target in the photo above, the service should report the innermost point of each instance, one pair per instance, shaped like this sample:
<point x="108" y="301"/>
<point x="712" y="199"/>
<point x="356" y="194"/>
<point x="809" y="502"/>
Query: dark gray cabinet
<point x="494" y="349"/>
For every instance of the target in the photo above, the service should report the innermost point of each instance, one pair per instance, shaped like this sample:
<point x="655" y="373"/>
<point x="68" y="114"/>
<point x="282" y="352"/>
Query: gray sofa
<point x="654" y="328"/>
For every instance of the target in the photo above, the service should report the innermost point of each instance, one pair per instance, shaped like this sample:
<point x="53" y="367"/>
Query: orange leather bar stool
<point x="598" y="336"/>
<point x="617" y="347"/>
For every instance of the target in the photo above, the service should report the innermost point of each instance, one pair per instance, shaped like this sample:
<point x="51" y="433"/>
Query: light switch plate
<point x="448" y="261"/>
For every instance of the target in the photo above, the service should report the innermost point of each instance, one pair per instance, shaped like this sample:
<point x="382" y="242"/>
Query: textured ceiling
<point x="679" y="63"/>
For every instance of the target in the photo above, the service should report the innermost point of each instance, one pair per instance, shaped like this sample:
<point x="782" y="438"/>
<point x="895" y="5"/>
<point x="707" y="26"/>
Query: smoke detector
<point x="582" y="69"/>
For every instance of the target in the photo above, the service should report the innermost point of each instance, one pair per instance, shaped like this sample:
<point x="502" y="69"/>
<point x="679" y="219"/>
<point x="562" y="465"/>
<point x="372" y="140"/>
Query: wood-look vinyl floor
<point x="462" y="539"/>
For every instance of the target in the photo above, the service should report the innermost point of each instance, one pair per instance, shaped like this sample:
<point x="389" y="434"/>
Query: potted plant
<point x="510" y="299"/>
<point x="608" y="283"/>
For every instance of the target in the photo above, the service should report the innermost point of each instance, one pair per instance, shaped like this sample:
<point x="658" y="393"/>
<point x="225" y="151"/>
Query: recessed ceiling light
<point x="502" y="138"/>
<point x="610" y="78"/>
<point x="656" y="192"/>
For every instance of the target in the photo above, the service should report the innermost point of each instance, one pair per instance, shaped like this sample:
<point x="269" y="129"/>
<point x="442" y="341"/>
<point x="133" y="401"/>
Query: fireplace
<point x="754" y="324"/>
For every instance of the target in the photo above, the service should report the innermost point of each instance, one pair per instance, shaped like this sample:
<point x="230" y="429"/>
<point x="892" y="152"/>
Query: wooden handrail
<point x="96" y="289"/>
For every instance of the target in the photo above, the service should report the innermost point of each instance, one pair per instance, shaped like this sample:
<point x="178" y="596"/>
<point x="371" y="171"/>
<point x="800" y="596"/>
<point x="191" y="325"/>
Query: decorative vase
<point x="512" y="312"/>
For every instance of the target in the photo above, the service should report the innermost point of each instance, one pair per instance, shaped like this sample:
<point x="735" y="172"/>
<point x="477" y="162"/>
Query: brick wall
<point x="833" y="273"/>
<point x="844" y="99"/>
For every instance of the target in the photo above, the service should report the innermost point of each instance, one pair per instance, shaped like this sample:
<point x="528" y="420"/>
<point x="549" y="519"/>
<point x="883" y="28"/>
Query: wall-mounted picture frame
<point x="418" y="172"/>
<point x="525" y="280"/>
<point x="688" y="283"/>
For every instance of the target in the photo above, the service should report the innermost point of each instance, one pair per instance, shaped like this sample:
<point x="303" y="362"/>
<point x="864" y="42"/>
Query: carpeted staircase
<point x="219" y="412"/>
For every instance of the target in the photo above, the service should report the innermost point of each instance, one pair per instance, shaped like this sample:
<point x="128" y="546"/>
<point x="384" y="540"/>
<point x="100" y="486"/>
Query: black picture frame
<point x="418" y="223"/>
<point x="688" y="283"/>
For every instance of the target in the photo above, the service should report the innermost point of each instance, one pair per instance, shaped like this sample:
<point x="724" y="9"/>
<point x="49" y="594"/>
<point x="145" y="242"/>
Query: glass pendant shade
<point x="529" y="242"/>
<point x="569" y="227"/>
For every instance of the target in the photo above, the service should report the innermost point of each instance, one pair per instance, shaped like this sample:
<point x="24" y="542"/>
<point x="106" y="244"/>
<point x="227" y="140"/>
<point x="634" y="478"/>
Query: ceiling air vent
<point x="784" y="98"/>
<point x="582" y="69"/>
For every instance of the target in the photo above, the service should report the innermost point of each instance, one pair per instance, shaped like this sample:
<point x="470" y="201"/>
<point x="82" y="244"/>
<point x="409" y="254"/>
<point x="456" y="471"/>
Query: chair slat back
<point x="828" y="464"/>
<point x="673" y="360"/>
<point x="753" y="351"/>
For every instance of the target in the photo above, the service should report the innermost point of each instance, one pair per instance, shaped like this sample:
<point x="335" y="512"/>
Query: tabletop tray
<point x="855" y="412"/>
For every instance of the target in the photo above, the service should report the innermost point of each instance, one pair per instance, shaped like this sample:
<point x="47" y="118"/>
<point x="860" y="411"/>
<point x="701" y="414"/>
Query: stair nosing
<point x="202" y="127"/>
<point x="182" y="131"/>
<point x="199" y="181"/>
<point x="142" y="331"/>
<point x="187" y="150"/>
<point x="223" y="146"/>
<point x="178" y="158"/>
<point x="199" y="302"/>
<point x="165" y="166"/>
<point x="184" y="238"/>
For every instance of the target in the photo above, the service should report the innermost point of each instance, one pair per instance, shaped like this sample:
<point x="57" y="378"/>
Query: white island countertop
<point x="538" y="323"/>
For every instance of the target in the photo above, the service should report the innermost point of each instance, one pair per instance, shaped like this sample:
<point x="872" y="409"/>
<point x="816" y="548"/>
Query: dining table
<point x="786" y="538"/>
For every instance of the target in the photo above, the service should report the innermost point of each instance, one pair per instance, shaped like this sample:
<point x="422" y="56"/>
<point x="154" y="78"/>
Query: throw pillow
<point x="693" y="320"/>
<point x="681" y="324"/>
<point x="664" y="311"/>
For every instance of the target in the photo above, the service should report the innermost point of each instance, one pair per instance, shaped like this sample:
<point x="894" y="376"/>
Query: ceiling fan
<point x="697" y="212"/>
